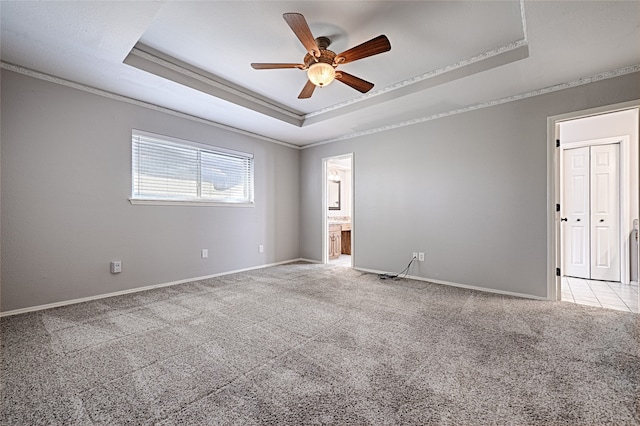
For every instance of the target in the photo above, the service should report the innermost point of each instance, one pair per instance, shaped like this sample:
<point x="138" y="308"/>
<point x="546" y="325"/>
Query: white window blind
<point x="168" y="169"/>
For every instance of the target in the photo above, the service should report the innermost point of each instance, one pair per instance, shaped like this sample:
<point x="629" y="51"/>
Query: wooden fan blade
<point x="301" y="29"/>
<point x="351" y="80"/>
<point x="372" y="47"/>
<point x="307" y="90"/>
<point x="259" y="66"/>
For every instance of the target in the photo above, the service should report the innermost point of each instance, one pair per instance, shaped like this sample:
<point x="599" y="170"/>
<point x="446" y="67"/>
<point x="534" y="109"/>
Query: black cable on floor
<point x="405" y="271"/>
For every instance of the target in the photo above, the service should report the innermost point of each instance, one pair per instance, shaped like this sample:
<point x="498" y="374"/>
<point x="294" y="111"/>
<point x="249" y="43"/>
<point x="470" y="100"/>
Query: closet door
<point x="591" y="206"/>
<point x="605" y="212"/>
<point x="576" y="227"/>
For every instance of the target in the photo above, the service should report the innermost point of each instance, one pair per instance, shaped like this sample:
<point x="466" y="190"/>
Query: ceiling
<point x="194" y="57"/>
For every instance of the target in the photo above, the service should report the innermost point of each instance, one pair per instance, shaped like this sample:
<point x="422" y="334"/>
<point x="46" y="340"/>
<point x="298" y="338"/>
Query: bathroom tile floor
<point x="343" y="260"/>
<point x="604" y="294"/>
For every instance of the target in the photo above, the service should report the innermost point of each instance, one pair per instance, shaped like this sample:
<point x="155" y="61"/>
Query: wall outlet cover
<point x="116" y="266"/>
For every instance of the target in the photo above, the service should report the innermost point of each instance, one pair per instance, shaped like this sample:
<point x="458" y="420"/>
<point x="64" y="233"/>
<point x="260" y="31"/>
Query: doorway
<point x="590" y="209"/>
<point x="594" y="194"/>
<point x="337" y="210"/>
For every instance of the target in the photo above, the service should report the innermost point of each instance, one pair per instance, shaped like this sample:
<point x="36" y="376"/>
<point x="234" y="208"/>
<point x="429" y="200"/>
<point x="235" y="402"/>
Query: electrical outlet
<point x="116" y="266"/>
<point x="415" y="255"/>
<point x="205" y="253"/>
<point x="261" y="248"/>
<point x="420" y="257"/>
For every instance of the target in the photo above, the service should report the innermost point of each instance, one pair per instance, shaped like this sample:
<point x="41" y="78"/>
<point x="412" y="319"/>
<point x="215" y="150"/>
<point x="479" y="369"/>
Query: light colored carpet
<point x="315" y="344"/>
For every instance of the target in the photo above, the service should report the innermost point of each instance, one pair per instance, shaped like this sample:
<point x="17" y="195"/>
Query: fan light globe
<point x="321" y="73"/>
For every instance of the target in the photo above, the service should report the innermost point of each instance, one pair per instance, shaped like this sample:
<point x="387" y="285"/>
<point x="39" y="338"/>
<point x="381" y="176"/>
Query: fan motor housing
<point x="327" y="56"/>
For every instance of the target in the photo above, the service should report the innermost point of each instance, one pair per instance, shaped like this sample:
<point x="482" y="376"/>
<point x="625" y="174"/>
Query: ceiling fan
<point x="321" y="63"/>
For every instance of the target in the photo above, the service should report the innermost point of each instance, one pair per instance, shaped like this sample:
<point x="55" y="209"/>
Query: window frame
<point x="160" y="201"/>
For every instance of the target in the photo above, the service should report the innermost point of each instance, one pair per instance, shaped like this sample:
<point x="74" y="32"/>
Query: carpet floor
<point x="316" y="344"/>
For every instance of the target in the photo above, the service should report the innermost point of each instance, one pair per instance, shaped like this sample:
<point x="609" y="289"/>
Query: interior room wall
<point x="468" y="190"/>
<point x="66" y="181"/>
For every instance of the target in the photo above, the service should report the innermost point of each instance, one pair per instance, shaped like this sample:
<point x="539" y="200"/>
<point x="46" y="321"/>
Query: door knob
<point x="563" y="219"/>
<point x="601" y="220"/>
<point x="578" y="220"/>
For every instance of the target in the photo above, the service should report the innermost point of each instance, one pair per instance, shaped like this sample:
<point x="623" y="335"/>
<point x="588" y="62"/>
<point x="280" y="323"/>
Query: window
<point x="172" y="171"/>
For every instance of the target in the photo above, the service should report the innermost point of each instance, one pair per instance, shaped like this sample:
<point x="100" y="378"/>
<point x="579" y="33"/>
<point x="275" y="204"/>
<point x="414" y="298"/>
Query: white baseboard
<point x="307" y="260"/>
<point x="151" y="287"/>
<point x="139" y="289"/>
<point x="470" y="287"/>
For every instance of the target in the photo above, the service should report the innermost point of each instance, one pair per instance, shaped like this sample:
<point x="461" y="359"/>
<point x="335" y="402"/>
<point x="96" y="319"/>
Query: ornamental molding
<point x="550" y="89"/>
<point x="425" y="76"/>
<point x="110" y="95"/>
<point x="554" y="88"/>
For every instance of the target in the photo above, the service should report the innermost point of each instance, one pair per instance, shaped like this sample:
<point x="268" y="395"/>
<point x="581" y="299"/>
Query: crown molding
<point x="110" y="95"/>
<point x="426" y="76"/>
<point x="561" y="86"/>
<point x="157" y="63"/>
<point x="557" y="87"/>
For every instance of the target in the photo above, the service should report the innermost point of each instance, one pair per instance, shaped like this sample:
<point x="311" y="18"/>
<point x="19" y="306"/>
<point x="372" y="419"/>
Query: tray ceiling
<point x="194" y="57"/>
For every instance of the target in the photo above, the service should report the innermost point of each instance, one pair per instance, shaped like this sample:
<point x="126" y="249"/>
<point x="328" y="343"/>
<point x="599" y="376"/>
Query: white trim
<point x="302" y="259"/>
<point x="553" y="189"/>
<point x="110" y="95"/>
<point x="137" y="51"/>
<point x="466" y="286"/>
<point x="161" y="202"/>
<point x="325" y="209"/>
<point x="582" y="81"/>
<point x="424" y="76"/>
<point x="145" y="288"/>
<point x="524" y="22"/>
<point x="553" y="223"/>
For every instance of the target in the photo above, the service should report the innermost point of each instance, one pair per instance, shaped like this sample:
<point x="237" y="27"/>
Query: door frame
<point x="624" y="202"/>
<point x="554" y="251"/>
<point x="325" y="207"/>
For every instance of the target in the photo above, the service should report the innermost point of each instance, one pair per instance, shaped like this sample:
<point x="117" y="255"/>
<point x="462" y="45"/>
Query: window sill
<point x="189" y="203"/>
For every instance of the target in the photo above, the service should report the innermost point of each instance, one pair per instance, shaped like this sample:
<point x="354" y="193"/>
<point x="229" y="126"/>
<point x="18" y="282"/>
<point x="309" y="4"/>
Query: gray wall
<point x="469" y="190"/>
<point x="66" y="181"/>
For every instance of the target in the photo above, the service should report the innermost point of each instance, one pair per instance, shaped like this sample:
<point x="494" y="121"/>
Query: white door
<point x="591" y="205"/>
<point x="576" y="230"/>
<point x="605" y="213"/>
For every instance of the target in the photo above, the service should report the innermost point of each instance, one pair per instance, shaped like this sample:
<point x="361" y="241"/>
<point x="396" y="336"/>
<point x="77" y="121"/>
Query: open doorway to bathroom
<point x="338" y="210"/>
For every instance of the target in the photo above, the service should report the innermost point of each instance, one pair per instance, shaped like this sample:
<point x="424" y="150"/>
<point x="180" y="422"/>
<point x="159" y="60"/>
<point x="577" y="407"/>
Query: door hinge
<point x="557" y="272"/>
<point x="557" y="143"/>
<point x="557" y="207"/>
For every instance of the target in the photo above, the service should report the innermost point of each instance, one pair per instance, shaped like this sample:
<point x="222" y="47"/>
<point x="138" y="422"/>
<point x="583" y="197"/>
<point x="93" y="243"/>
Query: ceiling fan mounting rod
<point x="323" y="43"/>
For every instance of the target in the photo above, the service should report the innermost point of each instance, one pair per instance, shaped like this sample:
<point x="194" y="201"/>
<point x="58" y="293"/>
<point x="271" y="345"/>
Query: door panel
<point x="576" y="210"/>
<point x="602" y="257"/>
<point x="605" y="212"/>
